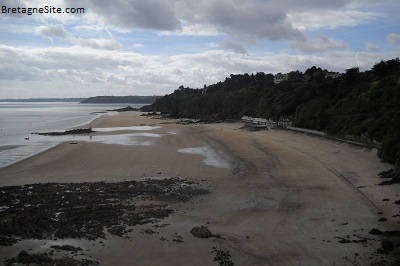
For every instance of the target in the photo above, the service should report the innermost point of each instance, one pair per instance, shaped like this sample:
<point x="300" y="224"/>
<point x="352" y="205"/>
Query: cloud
<point x="373" y="48"/>
<point x="317" y="44"/>
<point x="247" y="19"/>
<point x="150" y="14"/>
<point x="82" y="71"/>
<point x="195" y="42"/>
<point x="332" y="19"/>
<point x="58" y="31"/>
<point x="394" y="39"/>
<point x="234" y="46"/>
<point x="52" y="31"/>
<point x="103" y="44"/>
<point x="248" y="22"/>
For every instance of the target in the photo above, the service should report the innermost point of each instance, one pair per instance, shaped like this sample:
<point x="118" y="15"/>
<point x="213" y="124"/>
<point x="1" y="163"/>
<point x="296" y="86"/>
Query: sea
<point x="19" y="119"/>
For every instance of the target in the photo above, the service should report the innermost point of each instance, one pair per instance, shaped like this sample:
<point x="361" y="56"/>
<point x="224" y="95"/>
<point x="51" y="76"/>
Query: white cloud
<point x="373" y="48"/>
<point x="317" y="44"/>
<point x="394" y="39"/>
<point x="332" y="19"/>
<point x="104" y="44"/>
<point x="58" y="31"/>
<point x="51" y="31"/>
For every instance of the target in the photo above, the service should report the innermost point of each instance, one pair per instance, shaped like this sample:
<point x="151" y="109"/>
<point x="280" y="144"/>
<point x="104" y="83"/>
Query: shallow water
<point x="211" y="156"/>
<point x="19" y="120"/>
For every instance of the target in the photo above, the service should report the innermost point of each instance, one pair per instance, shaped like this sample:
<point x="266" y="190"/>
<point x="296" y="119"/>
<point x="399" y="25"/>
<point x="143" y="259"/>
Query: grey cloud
<point x="52" y="31"/>
<point x="128" y="14"/>
<point x="314" y="4"/>
<point x="249" y="19"/>
<point x="234" y="46"/>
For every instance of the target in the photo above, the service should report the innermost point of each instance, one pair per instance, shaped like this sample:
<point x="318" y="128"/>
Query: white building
<point x="280" y="77"/>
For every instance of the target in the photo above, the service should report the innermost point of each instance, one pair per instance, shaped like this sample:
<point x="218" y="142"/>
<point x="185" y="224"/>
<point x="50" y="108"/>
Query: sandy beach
<point x="276" y="197"/>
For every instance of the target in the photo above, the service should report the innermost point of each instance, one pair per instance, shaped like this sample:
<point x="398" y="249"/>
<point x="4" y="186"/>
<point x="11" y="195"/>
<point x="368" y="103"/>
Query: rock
<point x="67" y="132"/>
<point x="61" y="210"/>
<point x="387" y="245"/>
<point x="201" y="232"/>
<point x="375" y="232"/>
<point x="40" y="259"/>
<point x="67" y="248"/>
<point x="393" y="174"/>
<point x="7" y="241"/>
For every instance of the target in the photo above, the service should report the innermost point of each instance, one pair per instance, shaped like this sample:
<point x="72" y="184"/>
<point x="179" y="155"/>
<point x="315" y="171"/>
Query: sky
<point x="151" y="47"/>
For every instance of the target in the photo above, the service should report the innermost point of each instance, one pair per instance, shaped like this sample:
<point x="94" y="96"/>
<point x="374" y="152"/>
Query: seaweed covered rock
<point x="201" y="232"/>
<point x="392" y="174"/>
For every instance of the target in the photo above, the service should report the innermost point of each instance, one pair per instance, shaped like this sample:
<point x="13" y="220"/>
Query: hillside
<point x="362" y="106"/>
<point x="121" y="99"/>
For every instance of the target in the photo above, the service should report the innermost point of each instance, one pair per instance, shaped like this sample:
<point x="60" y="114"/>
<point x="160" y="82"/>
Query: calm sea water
<point x="19" y="120"/>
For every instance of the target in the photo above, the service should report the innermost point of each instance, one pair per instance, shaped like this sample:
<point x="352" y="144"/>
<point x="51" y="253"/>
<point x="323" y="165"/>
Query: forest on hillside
<point x="362" y="106"/>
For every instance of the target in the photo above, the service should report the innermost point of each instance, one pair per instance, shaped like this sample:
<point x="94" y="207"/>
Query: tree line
<point x="363" y="106"/>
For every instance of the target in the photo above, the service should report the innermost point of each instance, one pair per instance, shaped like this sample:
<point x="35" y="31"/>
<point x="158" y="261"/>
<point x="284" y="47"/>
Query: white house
<point x="332" y="75"/>
<point x="280" y="77"/>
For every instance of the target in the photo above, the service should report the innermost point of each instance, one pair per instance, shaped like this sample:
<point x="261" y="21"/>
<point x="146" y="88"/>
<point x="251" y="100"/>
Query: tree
<point x="351" y="75"/>
<point x="380" y="68"/>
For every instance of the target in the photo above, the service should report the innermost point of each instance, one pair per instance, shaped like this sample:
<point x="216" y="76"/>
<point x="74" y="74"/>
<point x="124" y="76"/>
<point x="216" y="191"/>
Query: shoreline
<point x="285" y="198"/>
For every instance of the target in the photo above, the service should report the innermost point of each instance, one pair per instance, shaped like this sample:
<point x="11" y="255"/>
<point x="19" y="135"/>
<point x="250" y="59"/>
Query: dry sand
<point x="286" y="198"/>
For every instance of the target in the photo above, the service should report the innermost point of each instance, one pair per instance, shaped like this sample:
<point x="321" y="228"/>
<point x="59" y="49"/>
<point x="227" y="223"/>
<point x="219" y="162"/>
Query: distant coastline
<point x="95" y="99"/>
<point x="121" y="99"/>
<point x="43" y="100"/>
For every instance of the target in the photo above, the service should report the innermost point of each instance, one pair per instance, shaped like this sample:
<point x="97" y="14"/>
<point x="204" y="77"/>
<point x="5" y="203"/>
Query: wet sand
<point x="284" y="199"/>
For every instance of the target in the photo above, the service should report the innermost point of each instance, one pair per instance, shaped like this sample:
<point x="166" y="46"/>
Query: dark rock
<point x="43" y="259"/>
<point x="118" y="230"/>
<point x="7" y="241"/>
<point x="67" y="132"/>
<point x="67" y="248"/>
<point x="393" y="233"/>
<point x="387" y="245"/>
<point x="392" y="174"/>
<point x="375" y="232"/>
<point x="385" y="173"/>
<point x="40" y="259"/>
<point x="382" y="220"/>
<point x="201" y="232"/>
<point x="84" y="210"/>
